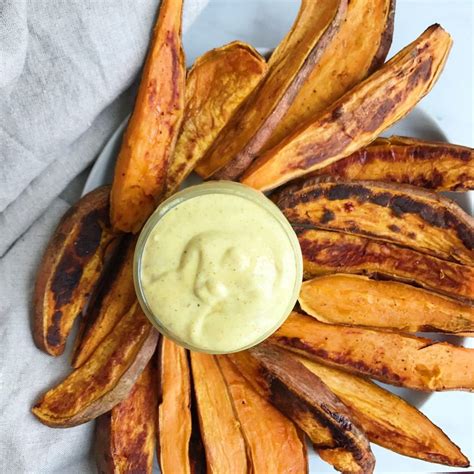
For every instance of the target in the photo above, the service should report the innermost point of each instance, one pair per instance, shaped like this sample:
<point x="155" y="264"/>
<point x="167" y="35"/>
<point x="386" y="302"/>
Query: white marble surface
<point x="263" y="23"/>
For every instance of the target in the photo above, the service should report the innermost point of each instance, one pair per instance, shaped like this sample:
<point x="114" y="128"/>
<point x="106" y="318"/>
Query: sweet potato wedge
<point x="220" y="430"/>
<point x="114" y="299"/>
<point x="394" y="358"/>
<point x="389" y="420"/>
<point x="273" y="442"/>
<point x="174" y="410"/>
<point x="408" y="216"/>
<point x="216" y="85"/>
<point x="142" y="164"/>
<point x="291" y="63"/>
<point x="348" y="59"/>
<point x="327" y="252"/>
<point x="301" y="396"/>
<point x="432" y="165"/>
<point x="358" y="117"/>
<point x="105" y="379"/>
<point x="71" y="268"/>
<point x="358" y="301"/>
<point x="125" y="436"/>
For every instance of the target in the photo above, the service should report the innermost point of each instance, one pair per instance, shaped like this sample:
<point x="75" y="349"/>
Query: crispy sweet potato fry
<point x="105" y="379"/>
<point x="358" y="117"/>
<point x="272" y="440"/>
<point x="335" y="252"/>
<point x="358" y="301"/>
<point x="408" y="216"/>
<point x="291" y="63"/>
<point x="114" y="299"/>
<point x="394" y="358"/>
<point x="71" y="268"/>
<point x="174" y="411"/>
<point x="148" y="143"/>
<point x="389" y="420"/>
<point x="125" y="436"/>
<point x="432" y="165"/>
<point x="223" y="440"/>
<point x="216" y="85"/>
<point x="347" y="60"/>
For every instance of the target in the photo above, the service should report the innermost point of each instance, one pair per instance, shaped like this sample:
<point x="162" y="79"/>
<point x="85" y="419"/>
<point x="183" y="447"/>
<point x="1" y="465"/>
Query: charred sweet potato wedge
<point x="125" y="436"/>
<point x="358" y="117"/>
<point x="402" y="214"/>
<point x="215" y="86"/>
<point x="105" y="379"/>
<point x="142" y="164"/>
<point x="174" y="410"/>
<point x="114" y="299"/>
<point x="391" y="357"/>
<point x="358" y="301"/>
<point x="304" y="399"/>
<point x="348" y="60"/>
<point x="432" y="165"/>
<point x="273" y="442"/>
<point x="220" y="430"/>
<point x="290" y="64"/>
<point x="71" y="268"/>
<point x="327" y="252"/>
<point x="389" y="420"/>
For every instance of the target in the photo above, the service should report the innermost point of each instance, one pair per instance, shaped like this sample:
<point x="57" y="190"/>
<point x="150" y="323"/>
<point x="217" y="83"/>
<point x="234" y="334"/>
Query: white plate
<point x="417" y="124"/>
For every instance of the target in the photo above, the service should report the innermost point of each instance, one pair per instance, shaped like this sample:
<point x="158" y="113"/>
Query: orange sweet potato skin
<point x="394" y="358"/>
<point x="125" y="437"/>
<point x="389" y="420"/>
<point x="327" y="252"/>
<point x="347" y="60"/>
<point x="71" y="268"/>
<point x="142" y="165"/>
<point x="432" y="165"/>
<point x="290" y="64"/>
<point x="105" y="379"/>
<point x="216" y="85"/>
<point x="402" y="214"/>
<point x="272" y="440"/>
<point x="358" y="117"/>
<point x="114" y="299"/>
<point x="358" y="301"/>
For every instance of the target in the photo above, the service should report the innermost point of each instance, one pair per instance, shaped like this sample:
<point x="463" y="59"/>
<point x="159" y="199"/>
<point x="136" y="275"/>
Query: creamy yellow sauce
<point x="218" y="272"/>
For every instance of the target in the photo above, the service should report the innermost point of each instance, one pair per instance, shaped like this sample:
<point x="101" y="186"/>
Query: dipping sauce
<point x="220" y="267"/>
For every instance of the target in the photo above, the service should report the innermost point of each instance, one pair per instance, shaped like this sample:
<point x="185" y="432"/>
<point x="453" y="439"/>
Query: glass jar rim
<point x="215" y="187"/>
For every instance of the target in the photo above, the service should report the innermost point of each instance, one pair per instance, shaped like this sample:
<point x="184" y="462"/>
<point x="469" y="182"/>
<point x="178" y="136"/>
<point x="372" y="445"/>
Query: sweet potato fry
<point x="148" y="143"/>
<point x="272" y="440"/>
<point x="389" y="420"/>
<point x="216" y="85"/>
<point x="303" y="398"/>
<point x="125" y="436"/>
<point x="432" y="165"/>
<point x="347" y="60"/>
<point x="71" y="269"/>
<point x="105" y="379"/>
<point x="394" y="358"/>
<point x="223" y="440"/>
<point x="335" y="252"/>
<point x="174" y="411"/>
<point x="358" y="117"/>
<point x="402" y="214"/>
<point x="358" y="301"/>
<point x="291" y="63"/>
<point x="114" y="299"/>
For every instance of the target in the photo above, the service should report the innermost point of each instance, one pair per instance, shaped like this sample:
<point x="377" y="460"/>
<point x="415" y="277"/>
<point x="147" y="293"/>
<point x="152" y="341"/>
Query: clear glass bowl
<point x="216" y="187"/>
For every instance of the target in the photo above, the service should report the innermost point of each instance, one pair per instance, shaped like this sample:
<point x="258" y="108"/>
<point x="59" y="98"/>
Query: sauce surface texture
<point x="218" y="271"/>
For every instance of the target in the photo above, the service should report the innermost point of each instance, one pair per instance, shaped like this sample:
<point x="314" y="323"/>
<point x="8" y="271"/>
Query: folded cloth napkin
<point x="67" y="70"/>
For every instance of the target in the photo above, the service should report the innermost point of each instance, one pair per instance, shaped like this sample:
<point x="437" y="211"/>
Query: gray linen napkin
<point x="66" y="70"/>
